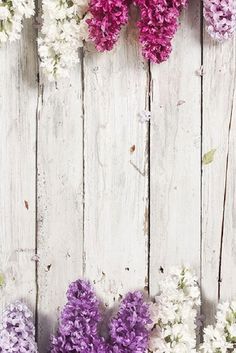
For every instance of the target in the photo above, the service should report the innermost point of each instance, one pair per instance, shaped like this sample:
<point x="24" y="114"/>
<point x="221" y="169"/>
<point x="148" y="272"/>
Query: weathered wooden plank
<point x="60" y="198"/>
<point x="116" y="170"/>
<point x="18" y="101"/>
<point x="175" y="153"/>
<point x="218" y="242"/>
<point x="228" y="254"/>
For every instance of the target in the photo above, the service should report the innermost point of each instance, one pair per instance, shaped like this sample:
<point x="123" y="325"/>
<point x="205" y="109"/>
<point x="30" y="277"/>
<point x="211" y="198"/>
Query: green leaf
<point x="2" y="280"/>
<point x="208" y="157"/>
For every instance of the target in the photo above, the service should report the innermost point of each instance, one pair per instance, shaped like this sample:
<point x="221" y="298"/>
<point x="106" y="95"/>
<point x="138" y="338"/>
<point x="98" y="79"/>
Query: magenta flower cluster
<point x="17" y="332"/>
<point x="108" y="16"/>
<point x="220" y="16"/>
<point x="157" y="25"/>
<point x="80" y="321"/>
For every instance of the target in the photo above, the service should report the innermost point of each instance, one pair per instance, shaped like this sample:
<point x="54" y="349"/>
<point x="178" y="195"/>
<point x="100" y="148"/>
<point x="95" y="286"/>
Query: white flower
<point x="12" y="14"/>
<point x="222" y="337"/>
<point x="4" y="13"/>
<point x="174" y="313"/>
<point x="144" y="116"/>
<point x="63" y="31"/>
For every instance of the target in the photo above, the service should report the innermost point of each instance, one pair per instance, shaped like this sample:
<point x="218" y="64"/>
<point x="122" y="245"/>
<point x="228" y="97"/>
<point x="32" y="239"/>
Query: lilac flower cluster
<point x="157" y="26"/>
<point x="128" y="330"/>
<point x="78" y="322"/>
<point x="17" y="333"/>
<point x="80" y="318"/>
<point x="107" y="18"/>
<point x="220" y="16"/>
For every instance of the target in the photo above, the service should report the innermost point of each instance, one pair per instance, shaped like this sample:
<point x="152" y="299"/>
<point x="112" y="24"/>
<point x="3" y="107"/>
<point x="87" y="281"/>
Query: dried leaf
<point x="2" y="280"/>
<point x="208" y="157"/>
<point x="132" y="149"/>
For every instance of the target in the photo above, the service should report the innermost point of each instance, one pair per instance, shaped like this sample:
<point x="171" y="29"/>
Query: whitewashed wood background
<point x="90" y="191"/>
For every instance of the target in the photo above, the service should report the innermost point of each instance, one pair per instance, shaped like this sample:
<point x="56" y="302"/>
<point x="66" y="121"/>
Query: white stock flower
<point x="63" y="31"/>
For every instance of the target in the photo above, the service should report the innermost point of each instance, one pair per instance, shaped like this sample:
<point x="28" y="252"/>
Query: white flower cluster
<point x="63" y="30"/>
<point x="12" y="13"/>
<point x="174" y="313"/>
<point x="222" y="337"/>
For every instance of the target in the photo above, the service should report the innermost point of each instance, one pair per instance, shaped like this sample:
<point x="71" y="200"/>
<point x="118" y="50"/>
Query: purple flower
<point x="78" y="322"/>
<point x="108" y="16"/>
<point x="128" y="330"/>
<point x="158" y="24"/>
<point x="220" y="16"/>
<point x="17" y="330"/>
<point x="78" y="328"/>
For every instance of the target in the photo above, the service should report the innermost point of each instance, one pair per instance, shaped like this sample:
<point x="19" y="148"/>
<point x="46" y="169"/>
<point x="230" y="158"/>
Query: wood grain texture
<point x="18" y="101"/>
<point x="116" y="170"/>
<point x="96" y="192"/>
<point x="218" y="211"/>
<point x="60" y="198"/>
<point x="175" y="169"/>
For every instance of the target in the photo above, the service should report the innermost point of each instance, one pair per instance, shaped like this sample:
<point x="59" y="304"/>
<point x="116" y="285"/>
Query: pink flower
<point x="179" y="4"/>
<point x="108" y="16"/>
<point x="157" y="26"/>
<point x="220" y="16"/>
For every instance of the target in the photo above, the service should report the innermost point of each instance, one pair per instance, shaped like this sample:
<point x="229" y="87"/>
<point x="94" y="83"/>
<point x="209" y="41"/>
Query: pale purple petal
<point x="17" y="332"/>
<point x="220" y="17"/>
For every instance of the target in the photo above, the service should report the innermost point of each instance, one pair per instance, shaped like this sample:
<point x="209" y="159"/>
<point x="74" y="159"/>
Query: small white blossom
<point x="144" y="116"/>
<point x="12" y="14"/>
<point x="4" y="13"/>
<point x="63" y="31"/>
<point x="174" y="313"/>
